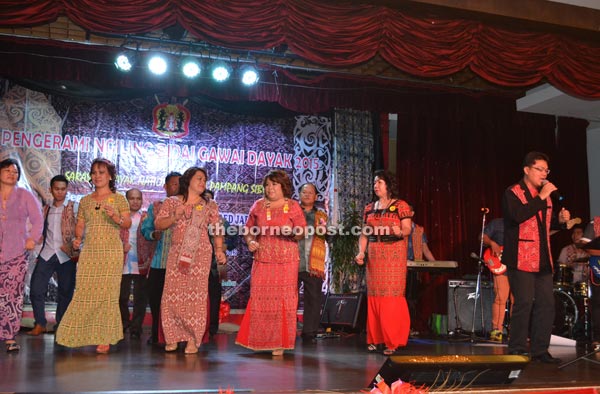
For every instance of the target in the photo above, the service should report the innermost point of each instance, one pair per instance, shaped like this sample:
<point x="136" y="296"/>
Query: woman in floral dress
<point x="93" y="316"/>
<point x="184" y="304"/>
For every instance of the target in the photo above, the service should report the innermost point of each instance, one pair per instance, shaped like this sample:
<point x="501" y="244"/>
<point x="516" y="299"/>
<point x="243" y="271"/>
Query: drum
<point x="563" y="276"/>
<point x="580" y="289"/>
<point x="566" y="314"/>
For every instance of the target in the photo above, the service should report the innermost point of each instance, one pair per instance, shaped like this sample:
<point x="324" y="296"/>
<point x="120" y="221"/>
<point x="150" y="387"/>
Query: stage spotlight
<point x="249" y="75"/>
<point x="157" y="64"/>
<point x="124" y="62"/>
<point x="221" y="71"/>
<point x="190" y="67"/>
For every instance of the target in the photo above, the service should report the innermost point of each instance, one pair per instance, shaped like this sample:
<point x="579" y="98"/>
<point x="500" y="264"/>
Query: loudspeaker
<point x="461" y="301"/>
<point x="451" y="371"/>
<point x="347" y="310"/>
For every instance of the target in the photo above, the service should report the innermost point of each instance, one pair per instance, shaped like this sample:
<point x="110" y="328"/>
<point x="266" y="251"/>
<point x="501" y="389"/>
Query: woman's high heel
<point x="102" y="349"/>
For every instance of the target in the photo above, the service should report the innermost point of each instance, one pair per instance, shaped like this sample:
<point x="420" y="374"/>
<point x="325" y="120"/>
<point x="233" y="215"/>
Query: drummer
<point x="575" y="257"/>
<point x="591" y="237"/>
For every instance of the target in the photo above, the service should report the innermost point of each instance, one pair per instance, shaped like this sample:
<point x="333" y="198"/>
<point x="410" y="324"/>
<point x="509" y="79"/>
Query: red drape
<point x="343" y="34"/>
<point x="44" y="60"/>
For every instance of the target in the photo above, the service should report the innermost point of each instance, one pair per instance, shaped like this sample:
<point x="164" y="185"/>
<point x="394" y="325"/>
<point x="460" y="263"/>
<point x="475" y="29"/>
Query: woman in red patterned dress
<point x="274" y="226"/>
<point x="184" y="302"/>
<point x="387" y="224"/>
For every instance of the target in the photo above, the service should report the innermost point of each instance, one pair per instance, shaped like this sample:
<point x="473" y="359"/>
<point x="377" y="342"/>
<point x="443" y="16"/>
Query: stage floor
<point x="340" y="365"/>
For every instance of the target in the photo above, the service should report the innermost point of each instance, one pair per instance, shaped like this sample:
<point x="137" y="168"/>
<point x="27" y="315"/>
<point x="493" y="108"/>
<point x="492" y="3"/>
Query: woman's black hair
<point x="184" y="181"/>
<point x="112" y="171"/>
<point x="390" y="182"/>
<point x="10" y="162"/>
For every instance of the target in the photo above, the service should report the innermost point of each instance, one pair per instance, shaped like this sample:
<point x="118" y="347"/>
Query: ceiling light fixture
<point x="124" y="61"/>
<point x="157" y="64"/>
<point x="190" y="67"/>
<point x="221" y="71"/>
<point x="249" y="75"/>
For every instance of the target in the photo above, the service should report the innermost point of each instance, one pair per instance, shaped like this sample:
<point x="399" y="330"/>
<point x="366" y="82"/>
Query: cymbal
<point x="593" y="244"/>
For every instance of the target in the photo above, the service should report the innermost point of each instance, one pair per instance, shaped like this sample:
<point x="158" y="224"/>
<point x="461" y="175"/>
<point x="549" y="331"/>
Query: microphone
<point x="476" y="257"/>
<point x="484" y="210"/>
<point x="555" y="194"/>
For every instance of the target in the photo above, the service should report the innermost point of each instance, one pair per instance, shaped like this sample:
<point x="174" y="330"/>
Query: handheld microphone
<point x="485" y="210"/>
<point x="555" y="194"/>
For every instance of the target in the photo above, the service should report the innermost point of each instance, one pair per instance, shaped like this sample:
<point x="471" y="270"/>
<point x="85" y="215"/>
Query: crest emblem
<point x="171" y="120"/>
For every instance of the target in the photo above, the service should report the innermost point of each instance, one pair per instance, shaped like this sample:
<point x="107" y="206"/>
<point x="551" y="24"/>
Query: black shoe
<point x="546" y="358"/>
<point x="518" y="353"/>
<point x="309" y="338"/>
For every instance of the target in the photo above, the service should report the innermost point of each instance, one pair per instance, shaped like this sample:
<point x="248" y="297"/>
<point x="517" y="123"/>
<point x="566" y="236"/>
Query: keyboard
<point x="432" y="266"/>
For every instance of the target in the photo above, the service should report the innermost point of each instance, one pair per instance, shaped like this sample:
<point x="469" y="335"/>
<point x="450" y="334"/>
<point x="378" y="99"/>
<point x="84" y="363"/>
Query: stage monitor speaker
<point x="346" y="310"/>
<point x="461" y="301"/>
<point x="451" y="372"/>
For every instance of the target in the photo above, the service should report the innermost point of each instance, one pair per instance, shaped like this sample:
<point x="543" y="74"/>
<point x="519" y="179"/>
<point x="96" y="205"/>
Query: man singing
<point x="528" y="219"/>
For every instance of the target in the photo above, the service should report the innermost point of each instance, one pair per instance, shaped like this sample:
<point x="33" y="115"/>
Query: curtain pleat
<point x="341" y="35"/>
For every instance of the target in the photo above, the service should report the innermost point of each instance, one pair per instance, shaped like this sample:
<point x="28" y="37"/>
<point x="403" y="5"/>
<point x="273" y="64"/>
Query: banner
<point x="147" y="138"/>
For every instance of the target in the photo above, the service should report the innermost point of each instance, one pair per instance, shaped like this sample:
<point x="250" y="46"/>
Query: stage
<point x="336" y="365"/>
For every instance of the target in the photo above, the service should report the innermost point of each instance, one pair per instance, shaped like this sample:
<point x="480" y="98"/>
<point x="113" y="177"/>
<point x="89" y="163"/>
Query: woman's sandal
<point x="277" y="352"/>
<point x="389" y="352"/>
<point x="102" y="349"/>
<point x="371" y="348"/>
<point x="12" y="347"/>
<point x="170" y="347"/>
<point x="191" y="348"/>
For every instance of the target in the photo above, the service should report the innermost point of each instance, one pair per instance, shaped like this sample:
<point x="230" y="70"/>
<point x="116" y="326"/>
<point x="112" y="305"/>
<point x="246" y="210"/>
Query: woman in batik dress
<point x="191" y="215"/>
<point x="17" y="206"/>
<point x="93" y="316"/>
<point x="270" y="319"/>
<point x="387" y="224"/>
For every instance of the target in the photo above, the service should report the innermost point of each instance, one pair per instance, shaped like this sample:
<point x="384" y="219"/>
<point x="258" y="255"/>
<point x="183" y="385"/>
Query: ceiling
<point x="579" y="18"/>
<point x="581" y="3"/>
<point x="546" y="99"/>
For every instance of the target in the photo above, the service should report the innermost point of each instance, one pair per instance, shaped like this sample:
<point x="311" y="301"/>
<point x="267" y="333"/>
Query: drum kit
<point x="571" y="302"/>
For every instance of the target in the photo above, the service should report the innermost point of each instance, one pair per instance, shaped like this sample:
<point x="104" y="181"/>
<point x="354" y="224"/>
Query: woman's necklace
<point x="380" y="207"/>
<point x="379" y="204"/>
<point x="286" y="208"/>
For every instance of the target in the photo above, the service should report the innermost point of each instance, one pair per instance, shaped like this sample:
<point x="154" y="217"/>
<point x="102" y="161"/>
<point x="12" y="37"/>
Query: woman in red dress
<point x="274" y="226"/>
<point x="387" y="224"/>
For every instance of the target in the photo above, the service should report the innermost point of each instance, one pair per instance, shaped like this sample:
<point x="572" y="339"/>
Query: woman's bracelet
<point x="120" y="221"/>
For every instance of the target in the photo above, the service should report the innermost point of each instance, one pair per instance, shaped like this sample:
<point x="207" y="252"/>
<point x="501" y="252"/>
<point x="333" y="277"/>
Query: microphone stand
<point x="478" y="283"/>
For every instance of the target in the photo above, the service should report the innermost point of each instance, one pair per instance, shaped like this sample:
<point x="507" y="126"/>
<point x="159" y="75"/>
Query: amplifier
<point x="348" y="310"/>
<point x="461" y="301"/>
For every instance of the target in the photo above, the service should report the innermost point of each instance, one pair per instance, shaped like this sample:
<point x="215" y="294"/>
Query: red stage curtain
<point x="305" y="95"/>
<point x="343" y="34"/>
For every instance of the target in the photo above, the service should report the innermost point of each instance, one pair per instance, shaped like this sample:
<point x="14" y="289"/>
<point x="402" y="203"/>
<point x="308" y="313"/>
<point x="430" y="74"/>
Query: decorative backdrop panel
<point x="147" y="138"/>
